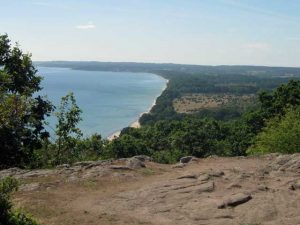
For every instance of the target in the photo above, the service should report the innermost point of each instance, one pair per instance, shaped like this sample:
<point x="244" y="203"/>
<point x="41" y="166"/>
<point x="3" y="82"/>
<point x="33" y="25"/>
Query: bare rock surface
<point x="214" y="191"/>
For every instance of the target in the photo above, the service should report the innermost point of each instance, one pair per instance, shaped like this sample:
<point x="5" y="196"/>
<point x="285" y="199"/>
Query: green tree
<point x="126" y="146"/>
<point x="22" y="115"/>
<point x="91" y="148"/>
<point x="280" y="135"/>
<point x="68" y="134"/>
<point x="285" y="96"/>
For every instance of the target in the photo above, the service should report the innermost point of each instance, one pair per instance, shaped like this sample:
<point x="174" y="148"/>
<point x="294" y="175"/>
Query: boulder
<point x="206" y="187"/>
<point x="186" y="159"/>
<point x="135" y="163"/>
<point x="235" y="200"/>
<point x="143" y="158"/>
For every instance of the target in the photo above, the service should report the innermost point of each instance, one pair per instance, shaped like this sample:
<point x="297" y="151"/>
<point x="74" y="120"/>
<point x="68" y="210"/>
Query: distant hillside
<point x="152" y="67"/>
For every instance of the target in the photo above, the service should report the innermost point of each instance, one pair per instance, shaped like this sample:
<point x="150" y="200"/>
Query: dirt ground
<point x="202" y="191"/>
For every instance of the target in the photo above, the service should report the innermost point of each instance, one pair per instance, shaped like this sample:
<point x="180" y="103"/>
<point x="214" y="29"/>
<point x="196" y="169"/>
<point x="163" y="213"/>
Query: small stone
<point x="295" y="185"/>
<point x="235" y="200"/>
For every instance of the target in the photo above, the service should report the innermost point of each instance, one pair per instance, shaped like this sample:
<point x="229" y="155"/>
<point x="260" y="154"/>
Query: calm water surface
<point x="110" y="100"/>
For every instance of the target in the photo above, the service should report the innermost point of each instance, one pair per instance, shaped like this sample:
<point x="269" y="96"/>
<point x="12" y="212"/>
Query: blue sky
<point x="210" y="32"/>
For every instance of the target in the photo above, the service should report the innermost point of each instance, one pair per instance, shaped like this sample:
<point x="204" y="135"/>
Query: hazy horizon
<point x="215" y="32"/>
<point x="188" y="64"/>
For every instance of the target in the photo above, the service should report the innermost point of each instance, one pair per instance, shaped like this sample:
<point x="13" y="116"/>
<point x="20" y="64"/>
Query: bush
<point x="167" y="157"/>
<point x="280" y="135"/>
<point x="8" y="216"/>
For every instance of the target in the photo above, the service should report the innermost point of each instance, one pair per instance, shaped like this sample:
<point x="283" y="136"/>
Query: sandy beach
<point x="136" y="124"/>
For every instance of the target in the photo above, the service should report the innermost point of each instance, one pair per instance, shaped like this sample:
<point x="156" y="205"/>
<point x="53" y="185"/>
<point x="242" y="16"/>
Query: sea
<point x="109" y="101"/>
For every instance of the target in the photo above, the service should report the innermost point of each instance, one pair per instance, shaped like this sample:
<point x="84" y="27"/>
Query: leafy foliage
<point x="280" y="135"/>
<point x="219" y="82"/>
<point x="8" y="216"/>
<point x="165" y="134"/>
<point x="167" y="140"/>
<point x="67" y="132"/>
<point x="21" y="115"/>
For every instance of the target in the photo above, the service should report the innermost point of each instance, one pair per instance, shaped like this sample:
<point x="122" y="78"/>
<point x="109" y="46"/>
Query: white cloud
<point x="89" y="25"/>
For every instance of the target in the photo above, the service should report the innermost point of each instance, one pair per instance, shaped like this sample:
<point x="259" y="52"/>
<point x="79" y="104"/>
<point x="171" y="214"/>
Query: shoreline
<point x="136" y="124"/>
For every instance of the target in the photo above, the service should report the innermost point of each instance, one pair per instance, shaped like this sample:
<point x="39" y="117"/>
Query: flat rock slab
<point x="204" y="177"/>
<point x="188" y="176"/>
<point x="116" y="167"/>
<point x="143" y="158"/>
<point x="216" y="173"/>
<point x="235" y="200"/>
<point x="179" y="165"/>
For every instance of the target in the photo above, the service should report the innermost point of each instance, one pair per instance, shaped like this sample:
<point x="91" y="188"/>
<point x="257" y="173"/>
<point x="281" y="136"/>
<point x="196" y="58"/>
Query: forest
<point x="235" y="129"/>
<point x="270" y="122"/>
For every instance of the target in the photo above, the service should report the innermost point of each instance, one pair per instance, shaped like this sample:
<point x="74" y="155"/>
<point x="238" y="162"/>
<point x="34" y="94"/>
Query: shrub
<point x="8" y="216"/>
<point x="167" y="157"/>
<point x="280" y="135"/>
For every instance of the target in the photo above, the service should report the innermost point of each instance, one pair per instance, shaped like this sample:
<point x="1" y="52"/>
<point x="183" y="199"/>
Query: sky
<point x="205" y="32"/>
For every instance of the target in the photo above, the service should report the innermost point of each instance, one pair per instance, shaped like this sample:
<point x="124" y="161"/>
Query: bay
<point x="110" y="101"/>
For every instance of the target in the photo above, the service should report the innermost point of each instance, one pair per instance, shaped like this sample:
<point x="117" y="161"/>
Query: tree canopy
<point x="22" y="114"/>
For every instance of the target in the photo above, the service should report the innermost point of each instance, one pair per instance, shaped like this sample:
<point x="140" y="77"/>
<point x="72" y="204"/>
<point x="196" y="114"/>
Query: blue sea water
<point x="110" y="101"/>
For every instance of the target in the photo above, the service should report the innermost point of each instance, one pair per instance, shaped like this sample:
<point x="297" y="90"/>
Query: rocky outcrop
<point x="283" y="163"/>
<point x="80" y="170"/>
<point x="212" y="191"/>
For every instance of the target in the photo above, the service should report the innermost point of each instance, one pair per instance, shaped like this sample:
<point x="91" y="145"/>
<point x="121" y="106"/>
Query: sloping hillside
<point x="256" y="190"/>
